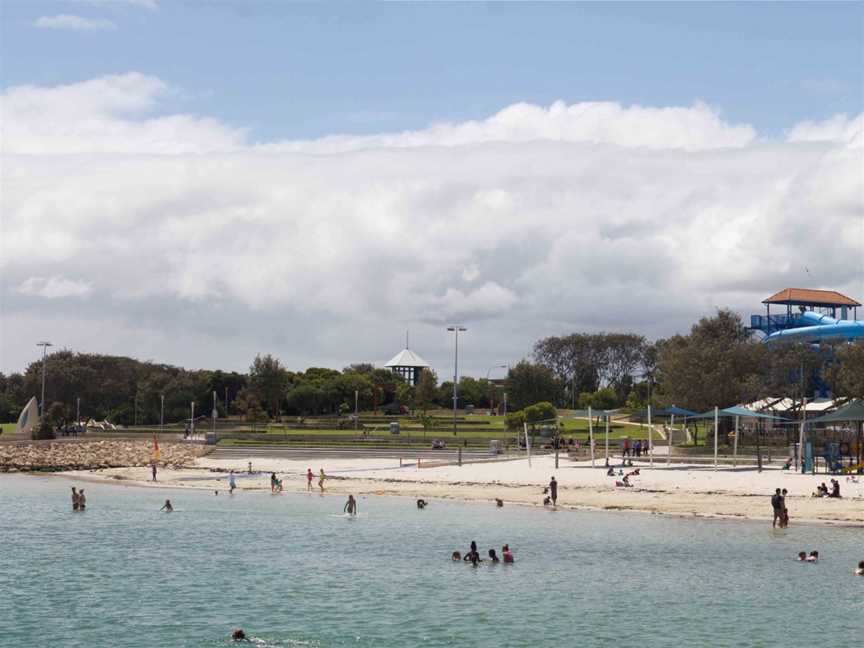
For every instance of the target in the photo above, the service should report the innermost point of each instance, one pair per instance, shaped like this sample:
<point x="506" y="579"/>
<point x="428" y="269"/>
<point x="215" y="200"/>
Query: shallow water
<point x="290" y="570"/>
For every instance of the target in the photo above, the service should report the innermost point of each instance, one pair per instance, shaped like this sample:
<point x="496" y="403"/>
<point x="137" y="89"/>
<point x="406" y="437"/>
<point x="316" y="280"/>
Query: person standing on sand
<point x="232" y="483"/>
<point x="777" y="505"/>
<point x="74" y="499"/>
<point x="309" y="477"/>
<point x="321" y="478"/>
<point x="153" y="467"/>
<point x="553" y="490"/>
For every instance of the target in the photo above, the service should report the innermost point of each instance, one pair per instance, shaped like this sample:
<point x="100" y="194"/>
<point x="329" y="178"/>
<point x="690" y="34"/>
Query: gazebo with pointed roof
<point x="407" y="364"/>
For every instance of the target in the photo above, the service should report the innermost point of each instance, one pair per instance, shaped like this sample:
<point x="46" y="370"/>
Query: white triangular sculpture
<point x="28" y="419"/>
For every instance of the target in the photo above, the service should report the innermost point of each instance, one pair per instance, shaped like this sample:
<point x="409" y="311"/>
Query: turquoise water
<point x="289" y="570"/>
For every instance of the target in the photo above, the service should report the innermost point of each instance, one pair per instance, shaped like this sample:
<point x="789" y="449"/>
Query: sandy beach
<point x="682" y="490"/>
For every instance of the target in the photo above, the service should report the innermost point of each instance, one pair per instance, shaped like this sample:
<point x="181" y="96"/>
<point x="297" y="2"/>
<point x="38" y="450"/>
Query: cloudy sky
<point x="197" y="183"/>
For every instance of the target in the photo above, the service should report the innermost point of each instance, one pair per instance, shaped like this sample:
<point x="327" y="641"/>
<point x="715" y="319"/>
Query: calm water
<point x="289" y="570"/>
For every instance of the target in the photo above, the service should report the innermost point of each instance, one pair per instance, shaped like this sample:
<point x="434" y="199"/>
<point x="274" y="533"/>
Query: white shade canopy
<point x="407" y="358"/>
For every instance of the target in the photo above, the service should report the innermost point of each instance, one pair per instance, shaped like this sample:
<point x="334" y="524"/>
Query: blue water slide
<point x="816" y="328"/>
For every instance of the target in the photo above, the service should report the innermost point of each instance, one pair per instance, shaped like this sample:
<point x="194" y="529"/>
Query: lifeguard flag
<point x="156" y="454"/>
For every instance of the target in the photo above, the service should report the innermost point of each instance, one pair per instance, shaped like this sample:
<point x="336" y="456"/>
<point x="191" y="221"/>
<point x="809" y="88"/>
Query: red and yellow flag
<point x="156" y="454"/>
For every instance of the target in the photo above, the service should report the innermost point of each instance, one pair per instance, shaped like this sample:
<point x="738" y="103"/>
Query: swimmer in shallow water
<point x="456" y="556"/>
<point x="167" y="506"/>
<point x="499" y="503"/>
<point x="506" y="554"/>
<point x="813" y="557"/>
<point x="802" y="556"/>
<point x="239" y="635"/>
<point x="421" y="504"/>
<point x="860" y="570"/>
<point x="350" y="506"/>
<point x="82" y="501"/>
<point x="493" y="557"/>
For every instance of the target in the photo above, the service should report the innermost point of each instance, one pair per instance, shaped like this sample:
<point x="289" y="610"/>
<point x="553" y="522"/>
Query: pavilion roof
<point x="808" y="296"/>
<point x="407" y="358"/>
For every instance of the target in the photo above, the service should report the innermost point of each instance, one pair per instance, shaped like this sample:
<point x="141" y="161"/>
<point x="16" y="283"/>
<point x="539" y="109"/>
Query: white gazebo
<point x="407" y="364"/>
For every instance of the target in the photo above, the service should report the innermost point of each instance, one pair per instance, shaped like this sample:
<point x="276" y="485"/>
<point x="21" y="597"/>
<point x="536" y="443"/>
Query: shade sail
<point x="743" y="412"/>
<point x="853" y="411"/>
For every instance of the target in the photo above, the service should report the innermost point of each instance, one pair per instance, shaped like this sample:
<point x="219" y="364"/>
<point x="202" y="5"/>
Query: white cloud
<point x="54" y="287"/>
<point x="74" y="23"/>
<point x="841" y="129"/>
<point x="532" y="222"/>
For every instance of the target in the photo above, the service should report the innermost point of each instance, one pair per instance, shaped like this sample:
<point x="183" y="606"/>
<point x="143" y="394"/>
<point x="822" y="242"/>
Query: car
<point x="438" y="444"/>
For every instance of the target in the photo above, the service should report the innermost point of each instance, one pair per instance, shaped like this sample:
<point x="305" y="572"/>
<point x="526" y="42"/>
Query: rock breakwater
<point x="50" y="456"/>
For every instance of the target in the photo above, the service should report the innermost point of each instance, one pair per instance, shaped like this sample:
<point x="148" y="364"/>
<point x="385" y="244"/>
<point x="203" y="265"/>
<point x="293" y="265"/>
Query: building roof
<point x="407" y="358"/>
<point x="807" y="296"/>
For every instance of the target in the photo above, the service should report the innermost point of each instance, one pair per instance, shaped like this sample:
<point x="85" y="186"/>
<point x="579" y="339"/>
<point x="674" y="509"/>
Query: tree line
<point x="717" y="363"/>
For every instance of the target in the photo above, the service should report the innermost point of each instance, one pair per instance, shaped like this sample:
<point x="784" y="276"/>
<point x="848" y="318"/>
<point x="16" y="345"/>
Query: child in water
<point x="860" y="570"/>
<point x="802" y="556"/>
<point x="456" y="556"/>
<point x="493" y="557"/>
<point x="507" y="554"/>
<point x="813" y="557"/>
<point x="167" y="506"/>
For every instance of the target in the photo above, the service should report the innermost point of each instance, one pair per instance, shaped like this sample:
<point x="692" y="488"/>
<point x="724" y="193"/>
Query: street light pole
<point x="161" y="413"/>
<point x="455" y="328"/>
<point x="44" y="346"/>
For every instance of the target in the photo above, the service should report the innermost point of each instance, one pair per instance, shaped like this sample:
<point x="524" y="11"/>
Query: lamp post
<point x="491" y="392"/>
<point x="44" y="346"/>
<point x="455" y="328"/>
<point x="161" y="413"/>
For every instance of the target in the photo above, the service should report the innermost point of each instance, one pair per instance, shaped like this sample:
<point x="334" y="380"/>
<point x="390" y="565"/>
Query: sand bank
<point x="683" y="490"/>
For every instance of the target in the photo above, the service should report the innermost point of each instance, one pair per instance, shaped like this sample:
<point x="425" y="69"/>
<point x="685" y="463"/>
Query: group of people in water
<point x="79" y="500"/>
<point x="778" y="504"/>
<point x="813" y="557"/>
<point x="473" y="556"/>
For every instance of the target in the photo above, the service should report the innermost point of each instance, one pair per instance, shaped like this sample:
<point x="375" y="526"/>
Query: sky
<point x="195" y="183"/>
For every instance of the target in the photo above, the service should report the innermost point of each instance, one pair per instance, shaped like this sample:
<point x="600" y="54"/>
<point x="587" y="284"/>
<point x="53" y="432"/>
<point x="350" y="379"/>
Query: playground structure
<point x="816" y="320"/>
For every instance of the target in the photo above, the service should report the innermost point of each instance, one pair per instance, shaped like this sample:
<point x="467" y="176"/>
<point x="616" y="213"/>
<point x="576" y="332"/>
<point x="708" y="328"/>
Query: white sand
<point x="681" y="490"/>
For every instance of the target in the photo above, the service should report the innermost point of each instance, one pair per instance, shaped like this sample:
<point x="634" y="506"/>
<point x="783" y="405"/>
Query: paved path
<point x="289" y="452"/>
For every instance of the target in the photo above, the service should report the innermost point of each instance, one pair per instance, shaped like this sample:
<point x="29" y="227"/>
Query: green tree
<point x="529" y="383"/>
<point x="718" y="363"/>
<point x="846" y="374"/>
<point x="269" y="379"/>
<point x="604" y="399"/>
<point x="426" y="390"/>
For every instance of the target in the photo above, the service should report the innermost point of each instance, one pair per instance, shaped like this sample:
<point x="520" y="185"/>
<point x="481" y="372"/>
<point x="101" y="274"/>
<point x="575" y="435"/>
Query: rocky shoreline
<point x="50" y="456"/>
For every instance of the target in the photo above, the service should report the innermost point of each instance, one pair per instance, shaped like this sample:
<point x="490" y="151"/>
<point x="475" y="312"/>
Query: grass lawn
<point x="7" y="428"/>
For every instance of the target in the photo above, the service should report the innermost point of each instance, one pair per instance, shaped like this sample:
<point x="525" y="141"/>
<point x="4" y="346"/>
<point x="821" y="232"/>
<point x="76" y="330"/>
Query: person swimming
<point x="473" y="556"/>
<point x="860" y="570"/>
<point x="167" y="506"/>
<point x="350" y="506"/>
<point x="506" y="554"/>
<point x="813" y="557"/>
<point x="239" y="635"/>
<point x="493" y="557"/>
<point x="802" y="556"/>
<point x="456" y="556"/>
<point x="421" y="504"/>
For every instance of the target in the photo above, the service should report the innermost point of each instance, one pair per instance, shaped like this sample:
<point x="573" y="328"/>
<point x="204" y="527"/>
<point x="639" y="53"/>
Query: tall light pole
<point x="44" y="346"/>
<point x="161" y="413"/>
<point x="455" y="328"/>
<point x="490" y="385"/>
